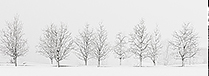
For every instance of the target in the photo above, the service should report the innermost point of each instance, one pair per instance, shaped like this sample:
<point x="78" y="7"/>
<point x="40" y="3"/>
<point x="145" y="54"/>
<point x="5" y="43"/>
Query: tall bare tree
<point x="57" y="44"/>
<point x="139" y="41"/>
<point x="185" y="43"/>
<point x="101" y="47"/>
<point x="155" y="46"/>
<point x="120" y="48"/>
<point x="85" y="44"/>
<point x="46" y="43"/>
<point x="12" y="42"/>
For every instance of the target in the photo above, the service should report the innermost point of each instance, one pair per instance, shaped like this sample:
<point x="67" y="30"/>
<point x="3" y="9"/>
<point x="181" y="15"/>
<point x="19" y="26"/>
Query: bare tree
<point x="101" y="47"/>
<point x="85" y="43"/>
<point x="57" y="44"/>
<point x="120" y="48"/>
<point x="155" y="46"/>
<point x="185" y="43"/>
<point x="167" y="55"/>
<point x="63" y="43"/>
<point x="12" y="42"/>
<point x="46" y="43"/>
<point x="139" y="41"/>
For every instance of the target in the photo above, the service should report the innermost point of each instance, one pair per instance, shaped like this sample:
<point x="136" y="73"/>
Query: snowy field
<point x="48" y="70"/>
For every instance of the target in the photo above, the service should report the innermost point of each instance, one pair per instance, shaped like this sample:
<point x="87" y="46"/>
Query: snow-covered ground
<point x="48" y="70"/>
<point x="74" y="67"/>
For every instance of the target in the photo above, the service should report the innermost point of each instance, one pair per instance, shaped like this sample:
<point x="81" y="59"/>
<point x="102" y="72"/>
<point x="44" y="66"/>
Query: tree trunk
<point x="86" y="63"/>
<point x="120" y="60"/>
<point x="58" y="63"/>
<point x="98" y="63"/>
<point x="51" y="60"/>
<point x="15" y="61"/>
<point x="154" y="62"/>
<point x="140" y="65"/>
<point x="182" y="63"/>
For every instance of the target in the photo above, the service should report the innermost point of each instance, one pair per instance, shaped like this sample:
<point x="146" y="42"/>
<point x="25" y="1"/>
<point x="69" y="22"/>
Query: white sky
<point x="117" y="15"/>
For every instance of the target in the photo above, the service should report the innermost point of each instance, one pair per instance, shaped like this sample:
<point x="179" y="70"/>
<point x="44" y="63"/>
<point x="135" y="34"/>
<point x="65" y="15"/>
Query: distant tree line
<point x="56" y="43"/>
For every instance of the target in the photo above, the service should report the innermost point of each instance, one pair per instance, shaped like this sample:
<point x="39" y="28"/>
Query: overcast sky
<point x="116" y="15"/>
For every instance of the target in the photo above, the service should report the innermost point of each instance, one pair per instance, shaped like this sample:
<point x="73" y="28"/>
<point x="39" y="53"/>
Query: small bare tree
<point x="12" y="42"/>
<point x="85" y="44"/>
<point x="63" y="43"/>
<point x="46" y="44"/>
<point x="167" y="55"/>
<point x="139" y="41"/>
<point x="155" y="46"/>
<point x="120" y="48"/>
<point x="185" y="42"/>
<point x="101" y="47"/>
<point x="57" y="44"/>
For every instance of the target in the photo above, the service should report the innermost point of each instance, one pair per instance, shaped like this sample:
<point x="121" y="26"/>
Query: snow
<point x="46" y="70"/>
